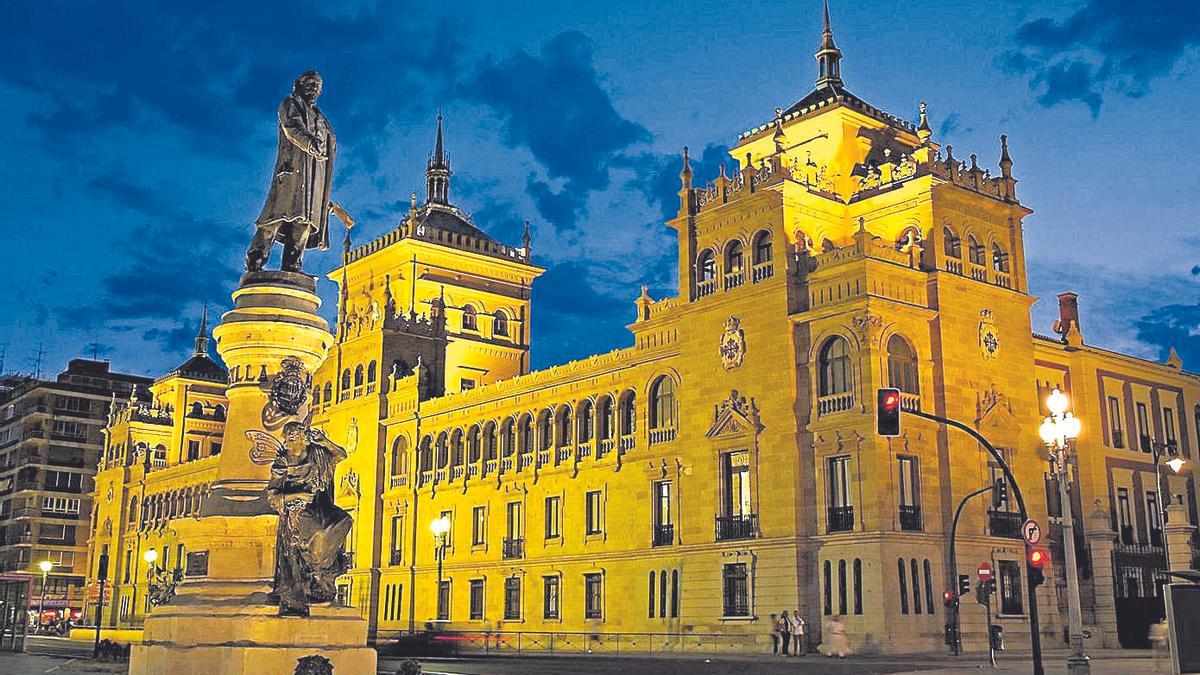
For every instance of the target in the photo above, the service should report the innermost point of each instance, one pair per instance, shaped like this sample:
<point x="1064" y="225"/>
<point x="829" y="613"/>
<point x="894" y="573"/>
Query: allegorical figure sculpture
<point x="297" y="209"/>
<point x="311" y="541"/>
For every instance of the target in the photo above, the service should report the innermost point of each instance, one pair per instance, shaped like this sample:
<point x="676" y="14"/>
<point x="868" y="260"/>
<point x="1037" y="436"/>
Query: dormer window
<point x="469" y="321"/>
<point x="499" y="324"/>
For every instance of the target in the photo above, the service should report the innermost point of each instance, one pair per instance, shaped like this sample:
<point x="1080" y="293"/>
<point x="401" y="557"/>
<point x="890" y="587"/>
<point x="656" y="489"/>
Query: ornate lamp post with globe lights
<point x="45" y="566"/>
<point x="1058" y="431"/>
<point x="440" y="528"/>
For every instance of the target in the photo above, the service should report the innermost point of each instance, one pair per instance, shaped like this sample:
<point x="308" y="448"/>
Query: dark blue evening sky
<point x="139" y="138"/>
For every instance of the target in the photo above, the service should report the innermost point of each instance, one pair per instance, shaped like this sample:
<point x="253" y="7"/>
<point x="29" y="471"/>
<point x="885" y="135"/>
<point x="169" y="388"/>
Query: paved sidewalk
<point x="15" y="663"/>
<point x="1103" y="662"/>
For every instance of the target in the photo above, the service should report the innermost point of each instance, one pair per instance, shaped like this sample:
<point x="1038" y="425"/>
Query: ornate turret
<point x="437" y="173"/>
<point x="829" y="70"/>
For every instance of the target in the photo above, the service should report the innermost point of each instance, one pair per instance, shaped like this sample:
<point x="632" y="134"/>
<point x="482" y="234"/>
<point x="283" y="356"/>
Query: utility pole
<point x="38" y="355"/>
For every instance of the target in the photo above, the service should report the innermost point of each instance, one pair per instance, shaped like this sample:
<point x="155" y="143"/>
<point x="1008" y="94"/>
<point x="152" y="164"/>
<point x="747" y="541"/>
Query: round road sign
<point x="984" y="571"/>
<point x="1031" y="531"/>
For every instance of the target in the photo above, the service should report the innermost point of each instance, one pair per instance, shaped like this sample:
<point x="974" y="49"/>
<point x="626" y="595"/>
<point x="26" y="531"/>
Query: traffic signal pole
<point x="954" y="609"/>
<point x="1035" y="637"/>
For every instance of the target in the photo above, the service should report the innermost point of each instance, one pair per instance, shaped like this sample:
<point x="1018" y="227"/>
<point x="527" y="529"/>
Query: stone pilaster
<point x="1178" y="533"/>
<point x="1101" y="541"/>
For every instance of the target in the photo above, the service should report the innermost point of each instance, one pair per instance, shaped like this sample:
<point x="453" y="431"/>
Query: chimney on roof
<point x="1068" y="314"/>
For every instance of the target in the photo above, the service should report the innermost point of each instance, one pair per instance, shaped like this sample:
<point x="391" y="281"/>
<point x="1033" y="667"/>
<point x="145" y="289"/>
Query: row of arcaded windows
<point x="361" y="381"/>
<point x="470" y="321"/>
<point x="603" y="418"/>
<point x="976" y="252"/>
<point x="159" y="508"/>
<point x="836" y="370"/>
<point x="733" y="260"/>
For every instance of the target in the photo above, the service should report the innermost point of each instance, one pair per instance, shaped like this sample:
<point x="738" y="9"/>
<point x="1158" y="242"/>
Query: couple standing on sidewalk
<point x="790" y="632"/>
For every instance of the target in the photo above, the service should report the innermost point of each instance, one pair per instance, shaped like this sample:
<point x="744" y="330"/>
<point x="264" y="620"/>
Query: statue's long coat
<point x="303" y="178"/>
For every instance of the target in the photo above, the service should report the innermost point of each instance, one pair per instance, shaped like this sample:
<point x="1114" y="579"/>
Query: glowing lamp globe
<point x="46" y="566"/>
<point x="151" y="556"/>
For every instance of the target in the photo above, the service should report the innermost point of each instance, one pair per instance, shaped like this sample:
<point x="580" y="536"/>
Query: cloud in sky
<point x="1104" y="46"/>
<point x="555" y="105"/>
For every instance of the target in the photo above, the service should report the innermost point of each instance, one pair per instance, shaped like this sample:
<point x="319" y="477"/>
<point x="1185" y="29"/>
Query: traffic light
<point x="948" y="598"/>
<point x="999" y="493"/>
<point x="1037" y="563"/>
<point x="964" y="584"/>
<point x="102" y="567"/>
<point x="887" y="412"/>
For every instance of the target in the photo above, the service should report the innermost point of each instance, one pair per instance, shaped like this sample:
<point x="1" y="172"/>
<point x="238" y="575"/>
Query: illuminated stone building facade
<point x="725" y="466"/>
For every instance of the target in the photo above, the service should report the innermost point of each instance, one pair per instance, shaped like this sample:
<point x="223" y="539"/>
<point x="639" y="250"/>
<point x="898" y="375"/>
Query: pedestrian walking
<point x="1162" y="649"/>
<point x="799" y="646"/>
<point x="774" y="635"/>
<point x="784" y="626"/>
<point x="836" y="645"/>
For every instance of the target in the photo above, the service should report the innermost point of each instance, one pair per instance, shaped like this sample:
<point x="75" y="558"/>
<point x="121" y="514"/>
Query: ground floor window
<point x="1010" y="587"/>
<point x="476" y="600"/>
<point x="550" y="598"/>
<point x="593" y="596"/>
<point x="512" y="598"/>
<point x="443" y="608"/>
<point x="736" y="590"/>
<point x="391" y="601"/>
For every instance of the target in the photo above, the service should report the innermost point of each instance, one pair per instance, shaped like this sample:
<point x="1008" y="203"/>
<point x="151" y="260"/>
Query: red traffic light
<point x="891" y="399"/>
<point x="1038" y="557"/>
<point x="887" y="412"/>
<point x="948" y="598"/>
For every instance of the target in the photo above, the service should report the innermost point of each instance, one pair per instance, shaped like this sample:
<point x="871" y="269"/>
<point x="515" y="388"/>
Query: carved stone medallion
<point x="733" y="343"/>
<point x="989" y="339"/>
<point x="290" y="388"/>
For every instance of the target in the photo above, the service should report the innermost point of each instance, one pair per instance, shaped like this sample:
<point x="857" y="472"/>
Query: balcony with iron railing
<point x="839" y="519"/>
<point x="513" y="549"/>
<point x="743" y="526"/>
<point x="835" y="403"/>
<point x="1005" y="524"/>
<point x="664" y="535"/>
<point x="910" y="517"/>
<point x="396" y="558"/>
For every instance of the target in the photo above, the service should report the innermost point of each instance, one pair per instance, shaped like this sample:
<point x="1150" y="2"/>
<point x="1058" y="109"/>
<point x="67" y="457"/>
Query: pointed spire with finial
<point x="923" y="131"/>
<point x="685" y="175"/>
<point x="1006" y="162"/>
<point x="437" y="172"/>
<point x="202" y="334"/>
<point x="527" y="240"/>
<point x="829" y="69"/>
<point x="685" y="190"/>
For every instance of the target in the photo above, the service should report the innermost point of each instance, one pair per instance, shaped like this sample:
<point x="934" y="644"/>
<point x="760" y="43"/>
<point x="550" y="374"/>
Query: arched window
<point x="545" y="431"/>
<point x="219" y="412"/>
<point x="974" y="250"/>
<point x="951" y="244"/>
<point x="706" y="266"/>
<point x="762" y="247"/>
<point x="442" y="450"/>
<point x="473" y="446"/>
<point x="842" y="587"/>
<point x="133" y="509"/>
<point x="902" y="365"/>
<point x="526" y="433"/>
<point x="345" y="379"/>
<point x="425" y="454"/>
<point x="835" y="370"/>
<point x="372" y="369"/>
<point x="399" y="456"/>
<point x="662" y="403"/>
<point x="358" y="376"/>
<point x="650" y="595"/>
<point x="489" y="441"/>
<point x="508" y="438"/>
<point x="606" y="418"/>
<point x="627" y="415"/>
<point x="328" y="392"/>
<point x="928" y="588"/>
<point x="197" y="409"/>
<point x="827" y="588"/>
<point x="469" y="321"/>
<point x="564" y="425"/>
<point x="586" y="422"/>
<point x="662" y="593"/>
<point x="734" y="257"/>
<point x="858" y="586"/>
<point x="674" y="594"/>
<point x="916" y="587"/>
<point x="456" y="447"/>
<point x="903" y="586"/>
<point x="999" y="259"/>
<point x="499" y="324"/>
<point x="316" y="397"/>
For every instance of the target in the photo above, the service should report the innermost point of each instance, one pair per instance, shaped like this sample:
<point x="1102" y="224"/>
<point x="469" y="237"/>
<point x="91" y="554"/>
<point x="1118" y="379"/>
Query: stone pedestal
<point x="221" y="620"/>
<point x="1178" y="533"/>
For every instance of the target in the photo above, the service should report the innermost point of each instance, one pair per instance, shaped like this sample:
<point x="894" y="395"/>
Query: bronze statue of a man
<point x="297" y="209"/>
<point x="311" y="541"/>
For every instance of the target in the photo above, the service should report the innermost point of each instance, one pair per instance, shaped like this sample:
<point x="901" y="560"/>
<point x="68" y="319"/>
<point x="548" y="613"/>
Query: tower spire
<point x="202" y="334"/>
<point x="437" y="172"/>
<point x="829" y="70"/>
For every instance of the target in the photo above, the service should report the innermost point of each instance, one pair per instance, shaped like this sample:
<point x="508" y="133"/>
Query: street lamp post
<point x="1164" y="500"/>
<point x="440" y="527"/>
<point x="45" y="566"/>
<point x="151" y="557"/>
<point x="1058" y="431"/>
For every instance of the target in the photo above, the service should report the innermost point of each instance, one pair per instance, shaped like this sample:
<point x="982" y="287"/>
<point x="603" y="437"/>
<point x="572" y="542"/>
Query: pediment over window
<point x="994" y="412"/>
<point x="735" y="416"/>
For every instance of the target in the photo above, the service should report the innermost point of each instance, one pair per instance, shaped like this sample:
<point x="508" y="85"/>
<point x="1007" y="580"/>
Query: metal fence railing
<point x="567" y="642"/>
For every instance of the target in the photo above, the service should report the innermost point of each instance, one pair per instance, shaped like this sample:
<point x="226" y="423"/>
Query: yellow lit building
<point x="725" y="467"/>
